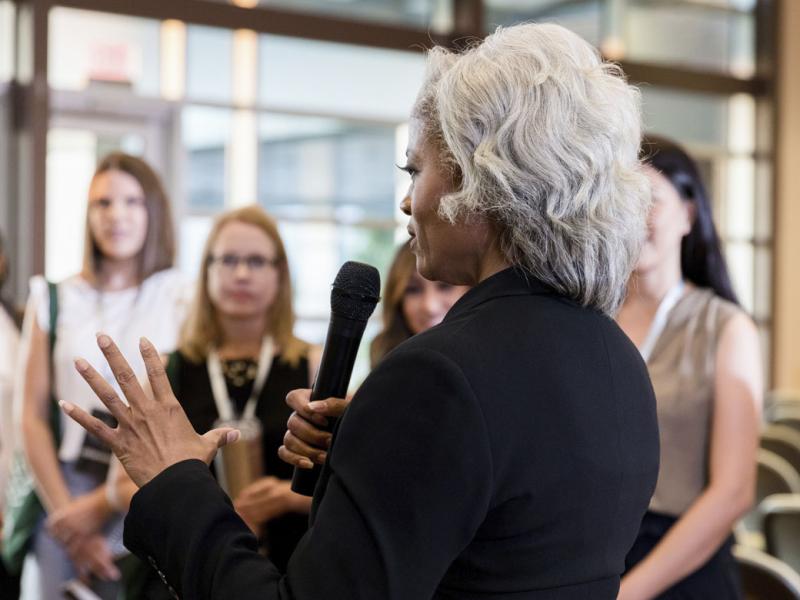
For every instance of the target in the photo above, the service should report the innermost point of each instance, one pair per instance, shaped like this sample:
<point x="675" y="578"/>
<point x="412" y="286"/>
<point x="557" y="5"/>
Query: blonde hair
<point x="395" y="329"/>
<point x="543" y="137"/>
<point x="158" y="250"/>
<point x="201" y="331"/>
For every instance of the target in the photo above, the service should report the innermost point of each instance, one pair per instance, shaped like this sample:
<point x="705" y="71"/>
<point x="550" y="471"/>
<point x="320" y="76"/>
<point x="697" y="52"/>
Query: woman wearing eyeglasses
<point x="238" y="358"/>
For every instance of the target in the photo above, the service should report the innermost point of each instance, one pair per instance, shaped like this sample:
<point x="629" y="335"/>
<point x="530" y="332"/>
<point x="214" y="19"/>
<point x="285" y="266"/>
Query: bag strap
<point x="55" y="410"/>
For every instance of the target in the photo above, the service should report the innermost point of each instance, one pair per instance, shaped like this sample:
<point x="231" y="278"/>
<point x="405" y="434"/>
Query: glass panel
<point x="763" y="203"/>
<point x="316" y="168"/>
<point x="738" y="207"/>
<point x="694" y="36"/>
<point x="419" y="13"/>
<point x="209" y="63"/>
<point x="338" y="79"/>
<point x="688" y="117"/>
<point x="6" y="40"/>
<point x="206" y="132"/>
<point x="766" y="354"/>
<point x="762" y="292"/>
<point x="91" y="48"/>
<point x="194" y="230"/>
<point x="740" y="262"/>
<point x="584" y="18"/>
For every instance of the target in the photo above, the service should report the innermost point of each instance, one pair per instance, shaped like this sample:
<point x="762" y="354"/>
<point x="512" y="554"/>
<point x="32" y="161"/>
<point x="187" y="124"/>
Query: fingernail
<point x="306" y="464"/>
<point x="81" y="365"/>
<point x="328" y="441"/>
<point x="317" y="405"/>
<point x="321" y="457"/>
<point x="65" y="406"/>
<point x="232" y="436"/>
<point x="144" y="342"/>
<point x="103" y="340"/>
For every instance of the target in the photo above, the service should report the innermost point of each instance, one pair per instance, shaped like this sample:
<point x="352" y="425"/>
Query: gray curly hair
<point x="543" y="137"/>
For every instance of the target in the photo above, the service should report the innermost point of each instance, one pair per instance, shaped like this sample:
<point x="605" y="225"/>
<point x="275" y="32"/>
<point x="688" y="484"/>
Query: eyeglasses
<point x="255" y="262"/>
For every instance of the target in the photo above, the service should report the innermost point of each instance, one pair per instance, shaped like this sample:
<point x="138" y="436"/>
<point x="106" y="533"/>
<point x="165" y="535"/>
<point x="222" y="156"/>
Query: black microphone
<point x="355" y="293"/>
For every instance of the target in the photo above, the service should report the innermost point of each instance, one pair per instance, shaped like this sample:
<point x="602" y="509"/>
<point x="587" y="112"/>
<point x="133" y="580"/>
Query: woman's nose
<point x="405" y="205"/>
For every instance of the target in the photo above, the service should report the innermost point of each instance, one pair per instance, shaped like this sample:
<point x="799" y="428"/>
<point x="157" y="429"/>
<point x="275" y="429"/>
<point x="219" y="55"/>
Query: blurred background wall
<point x="301" y="106"/>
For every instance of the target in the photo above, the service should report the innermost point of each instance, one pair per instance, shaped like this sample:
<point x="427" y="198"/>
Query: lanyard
<point x="219" y="388"/>
<point x="660" y="320"/>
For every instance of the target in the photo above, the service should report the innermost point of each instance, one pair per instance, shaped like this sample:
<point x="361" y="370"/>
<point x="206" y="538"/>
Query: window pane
<point x="695" y="36"/>
<point x="206" y="132"/>
<point x="6" y="40"/>
<point x="419" y="13"/>
<point x="763" y="212"/>
<point x="91" y="48"/>
<point x="194" y="230"/>
<point x="337" y="79"/>
<point x="208" y="63"/>
<point x="316" y="168"/>
<point x="584" y="18"/>
<point x="738" y="196"/>
<point x="741" y="264"/>
<point x="762" y="308"/>
<point x="684" y="116"/>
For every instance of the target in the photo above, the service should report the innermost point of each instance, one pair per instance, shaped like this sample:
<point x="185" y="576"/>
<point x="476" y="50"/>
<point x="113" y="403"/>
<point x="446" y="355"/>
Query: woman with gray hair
<point x="509" y="452"/>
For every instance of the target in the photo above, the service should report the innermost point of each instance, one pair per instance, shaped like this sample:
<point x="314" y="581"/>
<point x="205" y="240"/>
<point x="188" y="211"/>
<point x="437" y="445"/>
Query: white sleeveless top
<point x="155" y="310"/>
<point x="9" y="343"/>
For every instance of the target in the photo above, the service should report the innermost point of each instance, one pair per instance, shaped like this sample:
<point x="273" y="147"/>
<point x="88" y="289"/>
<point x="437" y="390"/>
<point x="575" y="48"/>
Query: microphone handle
<point x="332" y="381"/>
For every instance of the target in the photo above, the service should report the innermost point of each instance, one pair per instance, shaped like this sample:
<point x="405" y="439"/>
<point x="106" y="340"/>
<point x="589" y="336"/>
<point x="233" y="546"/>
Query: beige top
<point x="682" y="368"/>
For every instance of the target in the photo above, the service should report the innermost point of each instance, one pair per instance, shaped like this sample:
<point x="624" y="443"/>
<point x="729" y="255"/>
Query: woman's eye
<point x="135" y="201"/>
<point x="102" y="202"/>
<point x="412" y="171"/>
<point x="412" y="290"/>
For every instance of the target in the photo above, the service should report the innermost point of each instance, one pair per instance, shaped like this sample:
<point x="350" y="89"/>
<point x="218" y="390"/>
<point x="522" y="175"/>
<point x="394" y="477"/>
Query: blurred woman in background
<point x="702" y="353"/>
<point x="411" y="303"/>
<point x="237" y="359"/>
<point x="9" y="343"/>
<point x="127" y="287"/>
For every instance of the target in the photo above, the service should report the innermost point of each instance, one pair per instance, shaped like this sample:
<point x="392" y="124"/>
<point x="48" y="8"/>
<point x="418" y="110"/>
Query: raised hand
<point x="153" y="432"/>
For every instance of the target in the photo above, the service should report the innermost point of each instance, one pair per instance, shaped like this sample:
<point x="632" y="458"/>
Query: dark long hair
<point x="702" y="260"/>
<point x="158" y="250"/>
<point x="5" y="304"/>
<point x="395" y="330"/>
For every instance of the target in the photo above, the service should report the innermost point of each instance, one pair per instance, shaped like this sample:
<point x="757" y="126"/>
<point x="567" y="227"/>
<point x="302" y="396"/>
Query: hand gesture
<point x="153" y="432"/>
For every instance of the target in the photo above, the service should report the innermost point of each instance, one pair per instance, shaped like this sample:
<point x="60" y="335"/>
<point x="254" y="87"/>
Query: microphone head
<point x="356" y="291"/>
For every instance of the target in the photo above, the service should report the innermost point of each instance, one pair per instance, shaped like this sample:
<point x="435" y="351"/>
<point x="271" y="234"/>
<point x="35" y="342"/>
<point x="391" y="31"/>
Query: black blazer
<point x="509" y="452"/>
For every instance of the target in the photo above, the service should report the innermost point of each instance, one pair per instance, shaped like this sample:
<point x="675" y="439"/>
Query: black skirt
<point x="718" y="578"/>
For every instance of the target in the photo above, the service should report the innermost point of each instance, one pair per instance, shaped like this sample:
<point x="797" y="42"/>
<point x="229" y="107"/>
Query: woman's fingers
<point x="103" y="390"/>
<point x="307" y="432"/>
<point x="123" y="373"/>
<point x="298" y="446"/>
<point x="91" y="424"/>
<point x="155" y="370"/>
<point x="330" y="407"/>
<point x="298" y="401"/>
<point x="294" y="459"/>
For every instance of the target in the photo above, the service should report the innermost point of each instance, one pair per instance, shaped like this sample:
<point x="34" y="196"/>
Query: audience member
<point x="9" y="342"/>
<point x="411" y="303"/>
<point x="127" y="286"/>
<point x="702" y="352"/>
